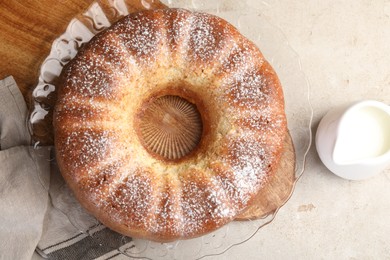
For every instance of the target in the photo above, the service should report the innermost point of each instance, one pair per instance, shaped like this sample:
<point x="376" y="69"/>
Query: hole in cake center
<point x="171" y="127"/>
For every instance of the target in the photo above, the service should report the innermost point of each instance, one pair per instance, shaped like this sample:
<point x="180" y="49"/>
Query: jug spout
<point x="361" y="140"/>
<point x="363" y="135"/>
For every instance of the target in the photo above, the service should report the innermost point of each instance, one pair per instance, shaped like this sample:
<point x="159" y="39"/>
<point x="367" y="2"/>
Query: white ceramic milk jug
<point x="354" y="141"/>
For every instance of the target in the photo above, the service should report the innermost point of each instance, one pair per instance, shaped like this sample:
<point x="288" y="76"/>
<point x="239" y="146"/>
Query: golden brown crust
<point x="278" y="187"/>
<point x="198" y="57"/>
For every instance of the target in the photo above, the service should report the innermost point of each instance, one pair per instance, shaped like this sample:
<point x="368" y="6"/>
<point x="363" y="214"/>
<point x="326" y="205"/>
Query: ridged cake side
<point x="200" y="58"/>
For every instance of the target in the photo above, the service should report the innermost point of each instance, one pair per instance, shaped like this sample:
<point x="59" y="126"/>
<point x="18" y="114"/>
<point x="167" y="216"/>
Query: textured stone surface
<point x="344" y="48"/>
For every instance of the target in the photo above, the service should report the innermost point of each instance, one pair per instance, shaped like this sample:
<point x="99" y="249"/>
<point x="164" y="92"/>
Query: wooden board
<point x="28" y="29"/>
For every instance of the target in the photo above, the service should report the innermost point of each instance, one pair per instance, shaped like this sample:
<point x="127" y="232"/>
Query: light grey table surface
<point x="344" y="47"/>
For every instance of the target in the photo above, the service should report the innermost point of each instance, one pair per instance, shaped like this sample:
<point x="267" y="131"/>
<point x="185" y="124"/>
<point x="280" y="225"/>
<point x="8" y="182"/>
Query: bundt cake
<point x="168" y="124"/>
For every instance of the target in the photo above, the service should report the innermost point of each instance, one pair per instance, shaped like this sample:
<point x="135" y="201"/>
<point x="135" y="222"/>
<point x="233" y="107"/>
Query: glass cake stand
<point x="253" y="25"/>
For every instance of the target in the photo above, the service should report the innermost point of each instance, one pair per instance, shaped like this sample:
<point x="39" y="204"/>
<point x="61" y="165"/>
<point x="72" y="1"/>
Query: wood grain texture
<point x="28" y="28"/>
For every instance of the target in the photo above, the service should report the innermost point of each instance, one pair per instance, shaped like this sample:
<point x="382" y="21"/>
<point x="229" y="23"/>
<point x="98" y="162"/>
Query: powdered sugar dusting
<point x="244" y="168"/>
<point x="90" y="79"/>
<point x="244" y="89"/>
<point x="141" y="35"/>
<point x="178" y="25"/>
<point x="132" y="200"/>
<point x="84" y="148"/>
<point x="168" y="211"/>
<point x="243" y="55"/>
<point x="248" y="160"/>
<point x="97" y="180"/>
<point x="264" y="123"/>
<point x="82" y="109"/>
<point x="207" y="38"/>
<point x="203" y="203"/>
<point x="135" y="190"/>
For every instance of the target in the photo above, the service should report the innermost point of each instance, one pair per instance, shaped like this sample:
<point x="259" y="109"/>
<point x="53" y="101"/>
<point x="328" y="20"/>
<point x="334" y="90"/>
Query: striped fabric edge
<point x="97" y="242"/>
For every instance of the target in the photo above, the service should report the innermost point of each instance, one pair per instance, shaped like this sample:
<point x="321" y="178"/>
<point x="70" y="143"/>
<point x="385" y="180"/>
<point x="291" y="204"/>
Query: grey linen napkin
<point x="23" y="182"/>
<point x="39" y="217"/>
